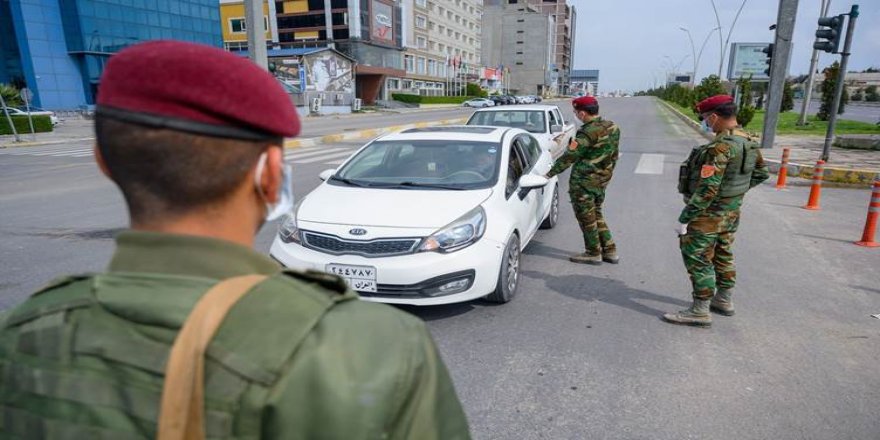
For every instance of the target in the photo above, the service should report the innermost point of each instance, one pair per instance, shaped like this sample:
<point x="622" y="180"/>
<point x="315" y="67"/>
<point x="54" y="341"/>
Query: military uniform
<point x="299" y="357"/>
<point x="592" y="157"/>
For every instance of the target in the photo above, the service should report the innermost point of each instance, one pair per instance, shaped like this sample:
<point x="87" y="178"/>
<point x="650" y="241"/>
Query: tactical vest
<point x="76" y="370"/>
<point x="738" y="175"/>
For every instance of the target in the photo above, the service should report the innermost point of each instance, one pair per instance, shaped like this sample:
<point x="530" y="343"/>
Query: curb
<point x="844" y="176"/>
<point x="362" y="134"/>
<point x="39" y="143"/>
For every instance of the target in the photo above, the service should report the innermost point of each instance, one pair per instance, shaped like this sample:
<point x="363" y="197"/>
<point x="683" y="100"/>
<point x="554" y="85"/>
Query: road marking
<point x="650" y="164"/>
<point x="323" y="158"/>
<point x="336" y="162"/>
<point x="301" y="154"/>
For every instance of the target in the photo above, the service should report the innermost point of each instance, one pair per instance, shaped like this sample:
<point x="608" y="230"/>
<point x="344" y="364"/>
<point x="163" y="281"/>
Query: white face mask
<point x="285" y="191"/>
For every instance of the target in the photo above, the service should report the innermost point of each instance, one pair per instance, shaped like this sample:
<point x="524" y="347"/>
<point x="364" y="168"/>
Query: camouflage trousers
<point x="587" y="204"/>
<point x="708" y="258"/>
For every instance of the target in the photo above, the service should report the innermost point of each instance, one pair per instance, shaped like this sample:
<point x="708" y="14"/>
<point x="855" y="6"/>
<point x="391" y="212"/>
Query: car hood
<point x="400" y="208"/>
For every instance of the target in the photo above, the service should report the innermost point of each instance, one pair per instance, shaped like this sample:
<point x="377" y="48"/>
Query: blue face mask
<point x="705" y="125"/>
<point x="285" y="192"/>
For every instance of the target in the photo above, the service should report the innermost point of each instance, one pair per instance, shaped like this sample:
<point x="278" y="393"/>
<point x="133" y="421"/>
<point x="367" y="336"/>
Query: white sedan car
<point x="478" y="102"/>
<point x="34" y="111"/>
<point x="426" y="216"/>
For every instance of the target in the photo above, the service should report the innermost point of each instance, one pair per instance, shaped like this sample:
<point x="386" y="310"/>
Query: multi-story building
<point x="367" y="31"/>
<point x="438" y="34"/>
<point x="58" y="48"/>
<point x="584" y="82"/>
<point x="565" y="16"/>
<point x="523" y="41"/>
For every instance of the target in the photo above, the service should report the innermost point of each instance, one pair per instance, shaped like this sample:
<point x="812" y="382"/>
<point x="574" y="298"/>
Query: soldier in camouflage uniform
<point x="714" y="180"/>
<point x="592" y="154"/>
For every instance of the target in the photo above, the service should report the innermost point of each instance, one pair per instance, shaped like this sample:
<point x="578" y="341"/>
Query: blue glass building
<point x="58" y="48"/>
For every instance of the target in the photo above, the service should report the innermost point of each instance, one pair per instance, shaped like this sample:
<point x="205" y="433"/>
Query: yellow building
<point x="233" y="24"/>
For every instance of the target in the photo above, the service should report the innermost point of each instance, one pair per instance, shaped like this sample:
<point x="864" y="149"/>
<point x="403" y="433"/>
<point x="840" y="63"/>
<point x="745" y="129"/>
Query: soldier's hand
<point x="573" y="145"/>
<point x="682" y="229"/>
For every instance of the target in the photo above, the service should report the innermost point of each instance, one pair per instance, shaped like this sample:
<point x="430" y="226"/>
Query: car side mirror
<point x="326" y="174"/>
<point x="531" y="181"/>
<point x="555" y="129"/>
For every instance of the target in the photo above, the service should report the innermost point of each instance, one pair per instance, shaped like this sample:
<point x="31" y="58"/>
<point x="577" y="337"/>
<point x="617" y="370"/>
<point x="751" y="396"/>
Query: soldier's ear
<point x="99" y="159"/>
<point x="272" y="177"/>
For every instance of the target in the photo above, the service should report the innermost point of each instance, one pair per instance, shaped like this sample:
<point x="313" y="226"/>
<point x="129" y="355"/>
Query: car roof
<point x="451" y="132"/>
<point x="519" y="107"/>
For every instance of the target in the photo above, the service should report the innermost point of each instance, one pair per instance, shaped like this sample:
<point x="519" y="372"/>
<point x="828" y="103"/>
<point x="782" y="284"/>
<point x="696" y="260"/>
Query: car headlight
<point x="288" y="231"/>
<point x="459" y="234"/>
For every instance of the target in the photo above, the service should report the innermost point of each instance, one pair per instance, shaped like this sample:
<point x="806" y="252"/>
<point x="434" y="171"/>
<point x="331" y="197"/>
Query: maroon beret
<point x="709" y="104"/>
<point x="584" y="101"/>
<point x="195" y="88"/>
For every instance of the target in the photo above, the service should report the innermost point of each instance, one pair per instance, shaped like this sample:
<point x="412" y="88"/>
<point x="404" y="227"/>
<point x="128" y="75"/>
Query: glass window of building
<point x="408" y="63"/>
<point x="421" y="42"/>
<point x="420" y="65"/>
<point x="422" y="3"/>
<point x="421" y="21"/>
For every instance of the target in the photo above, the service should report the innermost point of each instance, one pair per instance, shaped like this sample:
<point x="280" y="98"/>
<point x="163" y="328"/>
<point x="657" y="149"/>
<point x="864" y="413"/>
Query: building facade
<point x="584" y="82"/>
<point x="565" y="17"/>
<point x="523" y="43"/>
<point x="58" y="48"/>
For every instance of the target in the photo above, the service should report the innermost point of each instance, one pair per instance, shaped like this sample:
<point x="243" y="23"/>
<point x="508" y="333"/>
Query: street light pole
<point x="729" y="33"/>
<point x="693" y="52"/>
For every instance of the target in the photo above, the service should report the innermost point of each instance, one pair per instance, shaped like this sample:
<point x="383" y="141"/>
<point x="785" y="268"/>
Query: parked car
<point x="426" y="216"/>
<point x="510" y="99"/>
<point x="544" y="122"/>
<point x="34" y="111"/>
<point x="498" y="99"/>
<point x="478" y="102"/>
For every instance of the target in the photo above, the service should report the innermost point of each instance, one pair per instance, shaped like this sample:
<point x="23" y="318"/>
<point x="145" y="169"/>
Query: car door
<point x="528" y="151"/>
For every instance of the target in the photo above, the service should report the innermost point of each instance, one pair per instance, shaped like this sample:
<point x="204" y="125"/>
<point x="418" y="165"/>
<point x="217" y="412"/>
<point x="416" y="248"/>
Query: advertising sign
<point x="383" y="22"/>
<point x="747" y="59"/>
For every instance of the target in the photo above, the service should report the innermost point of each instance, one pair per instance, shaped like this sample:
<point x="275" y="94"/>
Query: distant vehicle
<point x="510" y="99"/>
<point x="426" y="216"/>
<point x="525" y="99"/>
<point x="35" y="111"/>
<point x="478" y="102"/>
<point x="544" y="122"/>
<point x="498" y="99"/>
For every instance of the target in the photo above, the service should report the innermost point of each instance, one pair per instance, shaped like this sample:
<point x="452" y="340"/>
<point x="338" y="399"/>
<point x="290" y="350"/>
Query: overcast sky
<point x="628" y="39"/>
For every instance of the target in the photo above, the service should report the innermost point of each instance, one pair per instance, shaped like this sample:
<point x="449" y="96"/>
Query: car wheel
<point x="553" y="216"/>
<point x="508" y="276"/>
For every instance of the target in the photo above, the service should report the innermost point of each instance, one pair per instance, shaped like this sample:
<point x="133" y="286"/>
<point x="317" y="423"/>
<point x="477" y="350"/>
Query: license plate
<point x="359" y="278"/>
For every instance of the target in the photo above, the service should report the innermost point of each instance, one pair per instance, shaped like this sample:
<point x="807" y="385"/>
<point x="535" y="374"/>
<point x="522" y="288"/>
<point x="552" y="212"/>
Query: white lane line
<point x="64" y="152"/>
<point x="324" y="158"/>
<point x="650" y="164"/>
<point x="295" y="156"/>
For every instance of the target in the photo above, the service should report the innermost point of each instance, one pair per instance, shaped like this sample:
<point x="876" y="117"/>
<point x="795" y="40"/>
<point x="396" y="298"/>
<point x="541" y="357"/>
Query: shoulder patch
<point x="707" y="171"/>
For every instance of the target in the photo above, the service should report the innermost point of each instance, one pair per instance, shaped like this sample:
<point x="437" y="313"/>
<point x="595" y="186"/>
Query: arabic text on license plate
<point x="360" y="278"/>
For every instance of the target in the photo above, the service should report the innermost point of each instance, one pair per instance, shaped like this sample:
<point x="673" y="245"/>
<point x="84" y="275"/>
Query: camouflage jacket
<point x="592" y="154"/>
<point x="705" y="211"/>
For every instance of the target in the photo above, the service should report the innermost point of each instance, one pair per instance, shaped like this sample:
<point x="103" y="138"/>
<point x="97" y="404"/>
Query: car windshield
<point x="529" y="120"/>
<point x="423" y="164"/>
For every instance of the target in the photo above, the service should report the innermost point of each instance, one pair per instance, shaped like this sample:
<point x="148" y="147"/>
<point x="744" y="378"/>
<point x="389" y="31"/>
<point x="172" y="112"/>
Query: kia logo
<point x="358" y="231"/>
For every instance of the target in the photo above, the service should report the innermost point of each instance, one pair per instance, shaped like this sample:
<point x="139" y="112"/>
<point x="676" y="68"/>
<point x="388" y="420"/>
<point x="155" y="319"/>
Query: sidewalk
<point x="850" y="167"/>
<point x="68" y="131"/>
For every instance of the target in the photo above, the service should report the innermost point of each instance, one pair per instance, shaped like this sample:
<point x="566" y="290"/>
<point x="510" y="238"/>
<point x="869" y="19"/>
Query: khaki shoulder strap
<point x="181" y="415"/>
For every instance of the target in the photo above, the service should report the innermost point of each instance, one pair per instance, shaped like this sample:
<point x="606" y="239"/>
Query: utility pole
<point x="779" y="68"/>
<point x="841" y="80"/>
<point x="9" y="119"/>
<point x="808" y="90"/>
<point x="256" y="32"/>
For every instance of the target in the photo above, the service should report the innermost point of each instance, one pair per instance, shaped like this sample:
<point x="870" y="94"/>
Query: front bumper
<point x="413" y="278"/>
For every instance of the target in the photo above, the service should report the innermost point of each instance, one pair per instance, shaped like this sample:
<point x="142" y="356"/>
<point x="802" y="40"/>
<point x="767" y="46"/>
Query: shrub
<point x="405" y="97"/>
<point x="42" y="124"/>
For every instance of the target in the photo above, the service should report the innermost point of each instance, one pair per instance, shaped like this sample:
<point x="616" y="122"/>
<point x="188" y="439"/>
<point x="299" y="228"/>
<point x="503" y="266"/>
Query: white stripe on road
<point x="69" y="152"/>
<point x="324" y="158"/>
<point x="312" y="152"/>
<point x="650" y="164"/>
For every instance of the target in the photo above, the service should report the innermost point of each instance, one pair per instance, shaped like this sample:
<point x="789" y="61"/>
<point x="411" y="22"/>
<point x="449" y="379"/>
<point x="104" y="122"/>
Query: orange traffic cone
<point x="783" y="169"/>
<point x="816" y="189"/>
<point x="873" y="214"/>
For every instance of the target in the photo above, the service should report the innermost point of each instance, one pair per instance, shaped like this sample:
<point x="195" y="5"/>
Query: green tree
<point x="871" y="94"/>
<point x="787" y="97"/>
<point x="746" y="109"/>
<point x="10" y="95"/>
<point x="858" y="95"/>
<point x="827" y="87"/>
<point x="709" y="86"/>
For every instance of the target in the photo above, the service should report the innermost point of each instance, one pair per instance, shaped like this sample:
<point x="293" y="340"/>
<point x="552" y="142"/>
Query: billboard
<point x="382" y="24"/>
<point x="748" y="59"/>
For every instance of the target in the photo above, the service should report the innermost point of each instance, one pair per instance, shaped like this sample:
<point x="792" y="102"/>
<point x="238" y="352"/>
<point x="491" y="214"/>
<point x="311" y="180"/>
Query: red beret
<point x="709" y="104"/>
<point x="584" y="101"/>
<point x="195" y="88"/>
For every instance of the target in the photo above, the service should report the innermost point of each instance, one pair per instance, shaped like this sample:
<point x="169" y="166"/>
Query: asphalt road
<point x="855" y="112"/>
<point x="580" y="352"/>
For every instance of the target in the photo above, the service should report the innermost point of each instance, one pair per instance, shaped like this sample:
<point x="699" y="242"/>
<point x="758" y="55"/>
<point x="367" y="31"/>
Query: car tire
<point x="553" y="216"/>
<point x="508" y="275"/>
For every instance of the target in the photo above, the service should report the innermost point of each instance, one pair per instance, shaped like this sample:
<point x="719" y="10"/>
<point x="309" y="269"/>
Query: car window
<point x="553" y="120"/>
<point x="420" y="164"/>
<point x="559" y="116"/>
<point x="530" y="151"/>
<point x="529" y="120"/>
<point x="514" y="171"/>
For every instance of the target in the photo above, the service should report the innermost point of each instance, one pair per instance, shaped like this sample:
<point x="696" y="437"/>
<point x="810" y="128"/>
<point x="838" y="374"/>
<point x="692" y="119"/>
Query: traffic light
<point x="829" y="33"/>
<point x="769" y="51"/>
